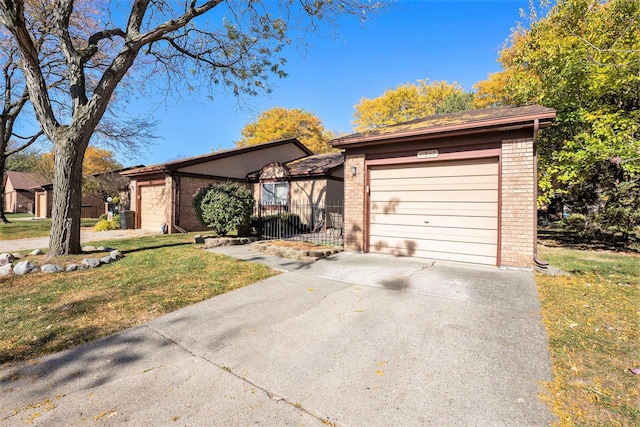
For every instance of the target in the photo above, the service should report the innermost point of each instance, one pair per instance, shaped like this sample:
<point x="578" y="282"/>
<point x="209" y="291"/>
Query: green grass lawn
<point x="11" y="216"/>
<point x="35" y="228"/>
<point x="43" y="313"/>
<point x="593" y="321"/>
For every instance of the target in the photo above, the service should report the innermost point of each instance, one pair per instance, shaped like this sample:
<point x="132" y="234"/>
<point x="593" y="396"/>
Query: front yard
<point x="592" y="315"/>
<point x="23" y="229"/>
<point x="593" y="321"/>
<point x="43" y="313"/>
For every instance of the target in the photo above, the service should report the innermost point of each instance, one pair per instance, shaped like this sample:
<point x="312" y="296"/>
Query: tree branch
<point x="30" y="141"/>
<point x="12" y="17"/>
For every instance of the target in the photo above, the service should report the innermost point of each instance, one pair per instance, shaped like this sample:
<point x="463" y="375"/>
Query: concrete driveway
<point x="355" y="340"/>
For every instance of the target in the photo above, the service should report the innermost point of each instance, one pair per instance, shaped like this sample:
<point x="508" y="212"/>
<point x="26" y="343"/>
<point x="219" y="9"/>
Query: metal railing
<point x="313" y="223"/>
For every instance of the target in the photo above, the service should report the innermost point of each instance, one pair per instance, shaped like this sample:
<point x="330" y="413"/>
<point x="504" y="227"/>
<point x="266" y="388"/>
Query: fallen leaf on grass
<point x="379" y="373"/>
<point x="635" y="371"/>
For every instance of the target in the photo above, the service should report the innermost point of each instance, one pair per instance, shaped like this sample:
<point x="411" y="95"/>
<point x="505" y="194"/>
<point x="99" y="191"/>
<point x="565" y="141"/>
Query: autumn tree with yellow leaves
<point x="281" y="123"/>
<point x="410" y="101"/>
<point x="581" y="57"/>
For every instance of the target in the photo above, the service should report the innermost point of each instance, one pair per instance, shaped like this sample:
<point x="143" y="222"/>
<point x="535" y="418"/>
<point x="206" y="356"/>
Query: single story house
<point x="92" y="205"/>
<point x="311" y="187"/>
<point x="18" y="197"/>
<point x="278" y="173"/>
<point x="454" y="187"/>
<point x="312" y="180"/>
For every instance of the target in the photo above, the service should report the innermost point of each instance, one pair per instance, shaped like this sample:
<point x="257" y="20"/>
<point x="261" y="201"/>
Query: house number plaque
<point x="427" y="154"/>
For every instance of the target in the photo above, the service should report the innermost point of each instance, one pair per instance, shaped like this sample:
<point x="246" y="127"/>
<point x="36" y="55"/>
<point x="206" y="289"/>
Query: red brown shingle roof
<point x="455" y="122"/>
<point x="24" y="180"/>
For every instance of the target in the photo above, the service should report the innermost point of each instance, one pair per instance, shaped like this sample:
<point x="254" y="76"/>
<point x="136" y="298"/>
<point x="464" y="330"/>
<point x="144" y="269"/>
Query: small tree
<point x="223" y="207"/>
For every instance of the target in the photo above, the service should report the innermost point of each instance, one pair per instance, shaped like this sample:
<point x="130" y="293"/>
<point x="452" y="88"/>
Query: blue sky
<point x="415" y="39"/>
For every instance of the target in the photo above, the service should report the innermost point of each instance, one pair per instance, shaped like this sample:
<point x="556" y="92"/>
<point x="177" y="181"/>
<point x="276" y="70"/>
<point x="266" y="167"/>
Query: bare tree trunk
<point x="3" y="159"/>
<point x="67" y="197"/>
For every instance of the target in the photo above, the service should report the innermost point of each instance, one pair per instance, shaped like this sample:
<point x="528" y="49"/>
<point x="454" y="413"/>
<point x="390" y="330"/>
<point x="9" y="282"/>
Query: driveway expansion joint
<point x="228" y="370"/>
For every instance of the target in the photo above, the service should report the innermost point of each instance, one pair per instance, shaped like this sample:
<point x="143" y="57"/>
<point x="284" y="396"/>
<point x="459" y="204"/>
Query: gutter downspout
<point x="537" y="262"/>
<point x="175" y="180"/>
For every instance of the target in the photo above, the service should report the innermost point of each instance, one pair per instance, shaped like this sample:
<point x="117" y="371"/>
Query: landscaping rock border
<point x="214" y="242"/>
<point x="26" y="267"/>
<point x="308" y="255"/>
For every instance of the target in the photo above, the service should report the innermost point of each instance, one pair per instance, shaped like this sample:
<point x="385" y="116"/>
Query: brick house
<point x="18" y="197"/>
<point x="162" y="195"/>
<point x="455" y="187"/>
<point x="312" y="180"/>
<point x="92" y="205"/>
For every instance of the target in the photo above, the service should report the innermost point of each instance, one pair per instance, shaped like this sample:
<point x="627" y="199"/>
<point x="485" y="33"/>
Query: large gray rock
<point x="76" y="267"/>
<point x="91" y="262"/>
<point x="17" y="255"/>
<point x="116" y="255"/>
<point x="50" y="268"/>
<point x="24" y="267"/>
<point x="6" y="270"/>
<point x="6" y="259"/>
<point x="36" y="252"/>
<point x="106" y="259"/>
<point x="89" y="249"/>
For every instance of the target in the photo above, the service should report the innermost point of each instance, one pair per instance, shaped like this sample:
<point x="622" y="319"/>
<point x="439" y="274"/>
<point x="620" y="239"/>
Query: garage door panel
<point x="437" y="208"/>
<point x="451" y="221"/>
<point x="412" y="185"/>
<point x="381" y="231"/>
<point x="480" y="249"/>
<point x="152" y="207"/>
<point x="391" y="196"/>
<point x="424" y="170"/>
<point x="444" y="256"/>
<point x="482" y="182"/>
<point x="443" y="210"/>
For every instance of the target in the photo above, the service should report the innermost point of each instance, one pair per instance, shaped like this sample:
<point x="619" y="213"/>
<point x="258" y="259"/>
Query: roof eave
<point x="544" y="120"/>
<point x="234" y="152"/>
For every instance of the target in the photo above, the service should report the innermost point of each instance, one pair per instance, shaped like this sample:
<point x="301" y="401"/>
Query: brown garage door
<point x="41" y="205"/>
<point x="440" y="210"/>
<point x="153" y="202"/>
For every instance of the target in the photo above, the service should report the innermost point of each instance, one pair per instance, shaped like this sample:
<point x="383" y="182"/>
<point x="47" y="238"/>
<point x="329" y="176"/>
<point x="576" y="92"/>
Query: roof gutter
<point x="517" y="122"/>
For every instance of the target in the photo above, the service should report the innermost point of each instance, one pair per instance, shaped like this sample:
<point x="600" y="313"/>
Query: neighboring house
<point x="311" y="187"/>
<point x="18" y="196"/>
<point x="164" y="193"/>
<point x="92" y="205"/>
<point x="455" y="187"/>
<point x="313" y="180"/>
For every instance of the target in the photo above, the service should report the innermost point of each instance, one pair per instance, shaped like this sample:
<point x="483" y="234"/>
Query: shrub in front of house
<point x="224" y="207"/>
<point x="106" y="225"/>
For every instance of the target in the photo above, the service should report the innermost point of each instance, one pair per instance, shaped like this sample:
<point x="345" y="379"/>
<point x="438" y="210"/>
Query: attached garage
<point x="455" y="187"/>
<point x="153" y="203"/>
<point x="442" y="210"/>
<point x="164" y="193"/>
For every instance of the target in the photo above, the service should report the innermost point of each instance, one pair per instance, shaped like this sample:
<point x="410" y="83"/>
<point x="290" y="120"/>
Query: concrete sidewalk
<point x="86" y="235"/>
<point x="351" y="340"/>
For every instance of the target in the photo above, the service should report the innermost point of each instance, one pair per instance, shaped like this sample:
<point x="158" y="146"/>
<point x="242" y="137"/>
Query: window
<point x="275" y="193"/>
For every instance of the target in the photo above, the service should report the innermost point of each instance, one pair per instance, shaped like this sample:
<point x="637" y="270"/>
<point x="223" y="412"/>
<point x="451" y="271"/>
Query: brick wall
<point x="188" y="189"/>
<point x="518" y="209"/>
<point x="354" y="187"/>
